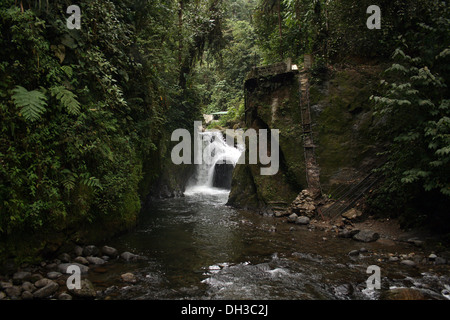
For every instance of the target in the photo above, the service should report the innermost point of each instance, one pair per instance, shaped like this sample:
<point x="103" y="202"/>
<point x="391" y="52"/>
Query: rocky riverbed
<point x="49" y="279"/>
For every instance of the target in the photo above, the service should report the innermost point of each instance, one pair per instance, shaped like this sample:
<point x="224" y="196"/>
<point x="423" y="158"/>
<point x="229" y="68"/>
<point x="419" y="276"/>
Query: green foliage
<point x="415" y="109"/>
<point x="31" y="103"/>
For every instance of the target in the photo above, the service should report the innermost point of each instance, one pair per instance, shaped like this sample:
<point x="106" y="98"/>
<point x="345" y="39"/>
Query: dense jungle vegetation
<point x="86" y="115"/>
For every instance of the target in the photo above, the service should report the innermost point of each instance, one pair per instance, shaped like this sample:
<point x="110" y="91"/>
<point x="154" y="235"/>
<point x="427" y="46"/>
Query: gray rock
<point x="46" y="291"/>
<point x="128" y="256"/>
<point x="432" y="257"/>
<point x="366" y="236"/>
<point x="292" y="218"/>
<point x="363" y="250"/>
<point x="86" y="291"/>
<point x="35" y="277"/>
<point x="81" y="260"/>
<point x="21" y="276"/>
<point x="90" y="251"/>
<point x="28" y="286"/>
<point x="354" y="253"/>
<point x="302" y="220"/>
<point x="5" y="284"/>
<point x="440" y="260"/>
<point x="95" y="260"/>
<point x="128" y="277"/>
<point x="393" y="259"/>
<point x="409" y="263"/>
<point x="63" y="267"/>
<point x="64" y="296"/>
<point x="27" y="295"/>
<point x="13" y="291"/>
<point x="42" y="283"/>
<point x="54" y="275"/>
<point x="347" y="233"/>
<point x="110" y="251"/>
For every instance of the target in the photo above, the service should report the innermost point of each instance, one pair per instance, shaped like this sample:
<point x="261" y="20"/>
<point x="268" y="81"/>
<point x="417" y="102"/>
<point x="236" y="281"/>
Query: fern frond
<point x="67" y="99"/>
<point x="32" y="103"/>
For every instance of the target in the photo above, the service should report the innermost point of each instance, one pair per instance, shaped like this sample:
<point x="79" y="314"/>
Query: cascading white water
<point x="215" y="152"/>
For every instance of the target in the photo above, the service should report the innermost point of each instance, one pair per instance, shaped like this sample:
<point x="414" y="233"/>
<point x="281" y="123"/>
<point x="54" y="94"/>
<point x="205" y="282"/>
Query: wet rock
<point x="363" y="250"/>
<point x="393" y="259"/>
<point x="35" y="277"/>
<point x="63" y="267"/>
<point x="27" y="295"/>
<point x="128" y="277"/>
<point x="28" y="286"/>
<point x="42" y="283"/>
<point x="303" y="220"/>
<point x="2" y="295"/>
<point x="347" y="233"/>
<point x="5" y="284"/>
<point x="90" y="250"/>
<point x="21" y="276"/>
<point x="95" y="260"/>
<point x="432" y="257"/>
<point x="110" y="251"/>
<point x="86" y="291"/>
<point x="128" y="256"/>
<point x="415" y="241"/>
<point x="46" y="291"/>
<point x="292" y="218"/>
<point x="13" y="292"/>
<point x="354" y="253"/>
<point x="64" y="296"/>
<point x="409" y="263"/>
<point x="52" y="275"/>
<point x="440" y="260"/>
<point x="366" y="236"/>
<point x="81" y="260"/>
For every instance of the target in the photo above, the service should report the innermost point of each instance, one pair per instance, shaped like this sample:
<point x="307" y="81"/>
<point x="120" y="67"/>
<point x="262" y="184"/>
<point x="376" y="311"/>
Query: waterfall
<point x="218" y="160"/>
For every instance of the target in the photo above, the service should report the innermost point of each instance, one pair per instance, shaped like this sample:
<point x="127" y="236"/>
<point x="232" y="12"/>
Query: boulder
<point x="292" y="218"/>
<point x="110" y="251"/>
<point x="90" y="250"/>
<point x="64" y="296"/>
<point x="128" y="277"/>
<point x="78" y="251"/>
<point x="27" y="295"/>
<point x="302" y="220"/>
<point x="52" y="275"/>
<point x="21" y="276"/>
<point x="86" y="291"/>
<point x="128" y="256"/>
<point x="366" y="236"/>
<point x="13" y="291"/>
<point x="81" y="260"/>
<point x="46" y="291"/>
<point x="352" y="214"/>
<point x="409" y="263"/>
<point x="28" y="286"/>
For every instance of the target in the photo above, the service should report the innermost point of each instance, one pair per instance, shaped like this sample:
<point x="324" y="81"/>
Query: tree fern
<point x="31" y="103"/>
<point x="67" y="99"/>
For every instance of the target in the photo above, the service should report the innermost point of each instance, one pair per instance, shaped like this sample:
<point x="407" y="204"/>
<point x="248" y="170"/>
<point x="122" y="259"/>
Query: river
<point x="197" y="247"/>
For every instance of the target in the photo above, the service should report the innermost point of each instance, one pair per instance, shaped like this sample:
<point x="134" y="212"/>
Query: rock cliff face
<point x="342" y="124"/>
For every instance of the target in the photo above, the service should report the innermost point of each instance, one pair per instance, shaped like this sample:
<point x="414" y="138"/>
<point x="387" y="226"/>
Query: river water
<point x="196" y="247"/>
